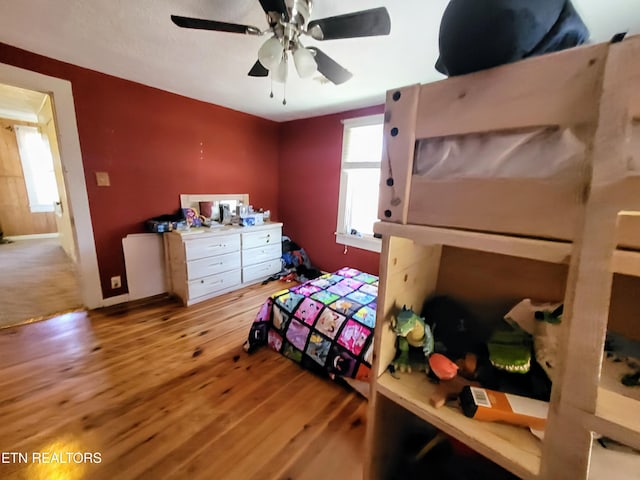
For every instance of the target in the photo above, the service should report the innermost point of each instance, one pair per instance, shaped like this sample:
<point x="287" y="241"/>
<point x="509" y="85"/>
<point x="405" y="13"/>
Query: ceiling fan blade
<point x="278" y="6"/>
<point x="366" y="23"/>
<point x="258" y="70"/>
<point x="200" y="24"/>
<point x="330" y="68"/>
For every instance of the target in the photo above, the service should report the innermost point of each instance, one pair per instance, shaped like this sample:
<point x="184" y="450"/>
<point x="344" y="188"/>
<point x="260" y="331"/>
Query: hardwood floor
<point x="163" y="391"/>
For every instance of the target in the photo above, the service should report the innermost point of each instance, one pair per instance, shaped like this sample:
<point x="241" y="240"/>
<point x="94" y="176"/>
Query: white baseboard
<point x="33" y="237"/>
<point x="108" y="302"/>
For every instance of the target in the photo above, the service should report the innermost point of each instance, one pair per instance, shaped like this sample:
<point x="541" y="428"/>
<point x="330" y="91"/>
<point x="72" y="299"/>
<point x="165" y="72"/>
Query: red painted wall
<point x="156" y="145"/>
<point x="310" y="158"/>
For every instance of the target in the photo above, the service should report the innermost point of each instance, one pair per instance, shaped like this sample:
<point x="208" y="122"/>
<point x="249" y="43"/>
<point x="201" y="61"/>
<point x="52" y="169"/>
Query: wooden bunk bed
<point x="491" y="241"/>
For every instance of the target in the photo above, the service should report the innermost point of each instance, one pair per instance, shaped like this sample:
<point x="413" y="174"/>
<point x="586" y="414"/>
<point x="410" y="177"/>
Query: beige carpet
<point x="37" y="281"/>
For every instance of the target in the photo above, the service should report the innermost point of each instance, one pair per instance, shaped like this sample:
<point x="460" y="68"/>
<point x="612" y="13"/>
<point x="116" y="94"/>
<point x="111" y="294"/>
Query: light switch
<point x="102" y="178"/>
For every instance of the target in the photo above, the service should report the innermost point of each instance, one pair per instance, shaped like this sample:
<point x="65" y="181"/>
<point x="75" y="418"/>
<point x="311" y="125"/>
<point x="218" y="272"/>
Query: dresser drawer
<point x="213" y="283"/>
<point x="262" y="238"/>
<point x="212" y="265"/>
<point x="261" y="271"/>
<point x="262" y="254"/>
<point x="207" y="247"/>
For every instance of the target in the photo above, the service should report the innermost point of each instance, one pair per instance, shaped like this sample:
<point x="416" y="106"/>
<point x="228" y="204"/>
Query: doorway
<point x="37" y="251"/>
<point x="77" y="233"/>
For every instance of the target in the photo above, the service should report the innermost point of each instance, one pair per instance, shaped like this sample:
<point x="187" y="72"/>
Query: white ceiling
<point x="135" y="39"/>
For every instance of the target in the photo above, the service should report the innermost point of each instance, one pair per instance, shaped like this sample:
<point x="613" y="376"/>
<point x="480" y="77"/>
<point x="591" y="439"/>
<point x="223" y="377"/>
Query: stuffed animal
<point x="411" y="331"/>
<point x="543" y="322"/>
<point x="510" y="350"/>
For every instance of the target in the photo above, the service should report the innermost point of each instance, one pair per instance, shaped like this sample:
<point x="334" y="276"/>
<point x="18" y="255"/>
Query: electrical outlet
<point x="116" y="282"/>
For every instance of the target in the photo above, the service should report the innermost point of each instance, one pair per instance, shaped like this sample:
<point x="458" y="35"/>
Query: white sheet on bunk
<point x="540" y="153"/>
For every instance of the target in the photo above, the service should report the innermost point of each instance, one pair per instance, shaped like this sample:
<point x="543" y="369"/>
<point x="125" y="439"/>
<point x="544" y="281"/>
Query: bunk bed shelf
<point x="616" y="417"/>
<point x="626" y="262"/>
<point x="514" y="448"/>
<point x="532" y="248"/>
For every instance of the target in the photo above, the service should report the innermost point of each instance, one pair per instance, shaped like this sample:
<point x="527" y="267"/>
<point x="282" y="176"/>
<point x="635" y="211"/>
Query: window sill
<point x="366" y="242"/>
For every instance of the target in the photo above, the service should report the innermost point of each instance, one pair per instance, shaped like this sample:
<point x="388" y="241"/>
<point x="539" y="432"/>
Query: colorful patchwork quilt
<point x="325" y="324"/>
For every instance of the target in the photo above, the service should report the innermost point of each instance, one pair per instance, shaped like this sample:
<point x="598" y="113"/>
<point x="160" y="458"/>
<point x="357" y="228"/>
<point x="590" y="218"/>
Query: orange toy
<point x="493" y="406"/>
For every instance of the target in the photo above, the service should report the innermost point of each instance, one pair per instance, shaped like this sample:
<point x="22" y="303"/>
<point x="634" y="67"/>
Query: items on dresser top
<point x="206" y="209"/>
<point x="225" y="213"/>
<point x="166" y="223"/>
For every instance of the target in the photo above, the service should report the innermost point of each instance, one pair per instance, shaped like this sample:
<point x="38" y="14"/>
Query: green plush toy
<point x="411" y="331"/>
<point x="510" y="350"/>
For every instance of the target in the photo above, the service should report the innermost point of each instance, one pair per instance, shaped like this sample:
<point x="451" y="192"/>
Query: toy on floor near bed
<point x="325" y="324"/>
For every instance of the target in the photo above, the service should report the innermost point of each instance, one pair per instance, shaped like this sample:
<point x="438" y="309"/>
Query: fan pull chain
<point x="271" y="94"/>
<point x="284" y="93"/>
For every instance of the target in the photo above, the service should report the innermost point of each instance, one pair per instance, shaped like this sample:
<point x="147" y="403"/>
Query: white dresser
<point x="261" y="253"/>
<point x="204" y="263"/>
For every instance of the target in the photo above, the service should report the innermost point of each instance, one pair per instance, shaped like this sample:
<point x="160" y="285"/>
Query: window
<point x="37" y="165"/>
<point x="359" y="182"/>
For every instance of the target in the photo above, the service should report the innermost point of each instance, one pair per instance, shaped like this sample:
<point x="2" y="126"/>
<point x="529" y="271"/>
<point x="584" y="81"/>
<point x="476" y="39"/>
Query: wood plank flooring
<point x="164" y="391"/>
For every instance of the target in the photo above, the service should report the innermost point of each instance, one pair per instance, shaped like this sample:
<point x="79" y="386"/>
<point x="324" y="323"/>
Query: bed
<point x="478" y="173"/>
<point x="447" y="144"/>
<point x="326" y="325"/>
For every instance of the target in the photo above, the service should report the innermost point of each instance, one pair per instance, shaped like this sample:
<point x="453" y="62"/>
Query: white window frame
<point x="365" y="242"/>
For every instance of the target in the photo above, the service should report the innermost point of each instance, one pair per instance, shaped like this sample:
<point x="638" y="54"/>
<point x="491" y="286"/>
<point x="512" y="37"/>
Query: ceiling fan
<point x="288" y="21"/>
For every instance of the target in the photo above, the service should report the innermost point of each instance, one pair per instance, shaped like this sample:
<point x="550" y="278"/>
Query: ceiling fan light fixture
<point x="288" y="21"/>
<point x="301" y="8"/>
<point x="270" y="54"/>
<point x="281" y="71"/>
<point x="305" y="62"/>
<point x="316" y="32"/>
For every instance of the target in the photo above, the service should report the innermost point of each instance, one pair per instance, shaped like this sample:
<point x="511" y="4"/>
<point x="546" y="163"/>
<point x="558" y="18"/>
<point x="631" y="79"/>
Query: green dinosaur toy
<point x="411" y="330"/>
<point x="510" y="350"/>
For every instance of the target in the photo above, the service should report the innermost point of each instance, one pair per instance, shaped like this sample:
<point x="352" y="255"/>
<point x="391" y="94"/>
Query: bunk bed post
<point x="575" y="392"/>
<point x="403" y="280"/>
<point x="397" y="153"/>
